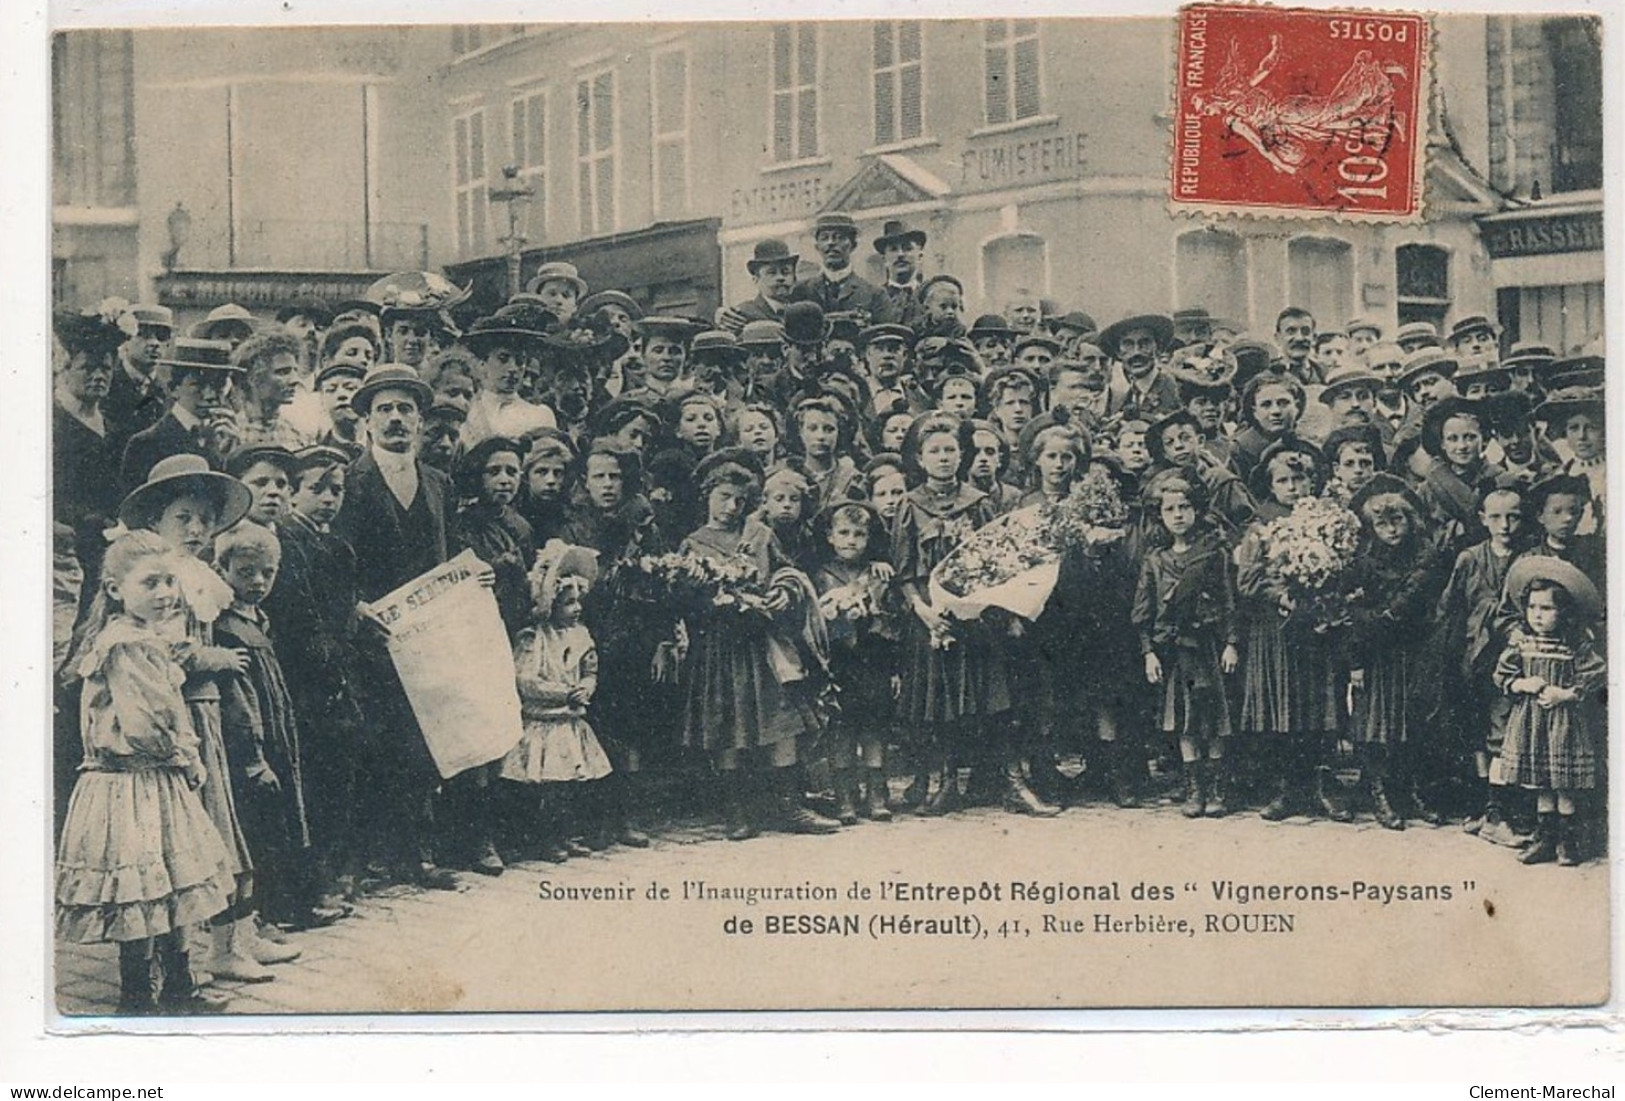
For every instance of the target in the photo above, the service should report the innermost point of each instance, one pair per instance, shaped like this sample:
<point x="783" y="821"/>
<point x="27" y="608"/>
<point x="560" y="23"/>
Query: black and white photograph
<point x="863" y="514"/>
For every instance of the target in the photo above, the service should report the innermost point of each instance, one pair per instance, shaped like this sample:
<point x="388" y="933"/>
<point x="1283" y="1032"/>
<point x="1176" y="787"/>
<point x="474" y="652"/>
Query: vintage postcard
<point x="823" y="515"/>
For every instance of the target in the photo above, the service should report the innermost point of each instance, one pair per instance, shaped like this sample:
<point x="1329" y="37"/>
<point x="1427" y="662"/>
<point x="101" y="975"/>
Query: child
<point x="262" y="736"/>
<point x="1453" y="434"/>
<point x="1185" y="609"/>
<point x="139" y="858"/>
<point x="1354" y="454"/>
<point x="958" y="394"/>
<point x="542" y="499"/>
<point x="1471" y="641"/>
<point x="788" y="498"/>
<point x="488" y="479"/>
<point x="951" y="689"/>
<point x="1288" y="692"/>
<point x="1550" y="671"/>
<point x="557" y="668"/>
<point x="853" y="582"/>
<point x="757" y="428"/>
<point x="1395" y="585"/>
<point x="742" y="708"/>
<point x="267" y="471"/>
<point x="1072" y="659"/>
<point x="823" y="439"/>
<point x="989" y="465"/>
<point x="887" y="484"/>
<point x="187" y="504"/>
<point x="313" y="606"/>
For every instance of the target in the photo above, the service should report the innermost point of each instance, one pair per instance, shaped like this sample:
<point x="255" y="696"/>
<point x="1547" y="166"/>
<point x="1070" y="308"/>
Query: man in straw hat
<point x="200" y="378"/>
<point x="838" y="288"/>
<point x="772" y="268"/>
<point x="394" y="515"/>
<point x="1147" y="392"/>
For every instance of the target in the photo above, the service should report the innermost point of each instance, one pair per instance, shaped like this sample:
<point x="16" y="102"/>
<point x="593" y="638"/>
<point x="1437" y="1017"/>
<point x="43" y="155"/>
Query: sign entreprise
<point x="212" y="288"/>
<point x="789" y="199"/>
<point x="1542" y="236"/>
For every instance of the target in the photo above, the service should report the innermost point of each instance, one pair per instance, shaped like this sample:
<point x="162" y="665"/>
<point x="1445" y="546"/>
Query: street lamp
<point x="517" y="196"/>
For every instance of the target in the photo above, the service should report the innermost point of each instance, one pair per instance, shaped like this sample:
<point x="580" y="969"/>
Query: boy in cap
<point x="557" y="287"/>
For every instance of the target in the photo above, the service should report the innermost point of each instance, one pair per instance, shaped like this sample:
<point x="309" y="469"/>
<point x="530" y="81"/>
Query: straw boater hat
<point x="557" y="270"/>
<point x="222" y="321"/>
<point x="1417" y="330"/>
<point x="1160" y="325"/>
<point x="1581" y="370"/>
<point x="161" y="317"/>
<point x="1427" y="360"/>
<point x="183" y="475"/>
<point x="1363" y="324"/>
<point x="719" y="343"/>
<point x="390" y="376"/>
<point x="899" y="232"/>
<point x="1529" y="353"/>
<point x="770" y="251"/>
<point x="599" y="299"/>
<point x="1347" y="376"/>
<point x="761" y="334"/>
<point x="1540" y="567"/>
<point x="1473" y="323"/>
<point x="841" y="222"/>
<point x="201" y="355"/>
<point x="683" y="328"/>
<point x="1482" y="371"/>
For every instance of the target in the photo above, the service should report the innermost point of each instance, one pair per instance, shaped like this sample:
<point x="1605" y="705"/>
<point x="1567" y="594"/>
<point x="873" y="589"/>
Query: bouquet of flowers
<point x="687" y="582"/>
<point x="1014" y="561"/>
<point x="1308" y="552"/>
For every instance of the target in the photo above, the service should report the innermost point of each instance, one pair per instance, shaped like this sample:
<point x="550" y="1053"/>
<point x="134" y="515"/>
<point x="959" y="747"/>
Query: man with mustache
<point x="394" y="516"/>
<point x="1351" y="396"/>
<point x="271" y="361"/>
<point x="1148" y="393"/>
<point x="1295" y="336"/>
<point x="902" y="250"/>
<point x="837" y="288"/>
<point x="135" y="395"/>
<point x="772" y="268"/>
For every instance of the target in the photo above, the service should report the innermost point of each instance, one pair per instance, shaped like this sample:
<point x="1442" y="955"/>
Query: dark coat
<point x="82" y="494"/>
<point x="370" y="521"/>
<point x="165" y="438"/>
<point x="852" y="294"/>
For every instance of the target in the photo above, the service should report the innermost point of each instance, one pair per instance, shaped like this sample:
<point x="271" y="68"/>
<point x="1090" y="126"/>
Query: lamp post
<point x="516" y="196"/>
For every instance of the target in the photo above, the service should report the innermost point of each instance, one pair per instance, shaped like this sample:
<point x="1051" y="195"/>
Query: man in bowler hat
<point x="772" y="267"/>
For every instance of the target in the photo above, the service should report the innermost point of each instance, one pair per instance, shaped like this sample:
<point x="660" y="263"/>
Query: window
<point x="795" y="91"/>
<point x="92" y="118"/>
<point x="529" y="137"/>
<point x="897" y="81"/>
<point x="595" y="151"/>
<point x="1012" y="263"/>
<point x="1210" y="270"/>
<point x="1422" y="280"/>
<point x="1566" y="317"/>
<point x="1576" y="49"/>
<point x="472" y="37"/>
<point x="1011" y="57"/>
<point x="669" y="89"/>
<point x="468" y="142"/>
<point x="1322" y="279"/>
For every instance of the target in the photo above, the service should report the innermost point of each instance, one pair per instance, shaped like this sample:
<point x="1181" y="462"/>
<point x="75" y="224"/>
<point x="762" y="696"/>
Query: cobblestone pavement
<point x="490" y="945"/>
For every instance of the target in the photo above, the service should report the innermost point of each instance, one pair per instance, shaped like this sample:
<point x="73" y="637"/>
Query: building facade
<point x="1034" y="153"/>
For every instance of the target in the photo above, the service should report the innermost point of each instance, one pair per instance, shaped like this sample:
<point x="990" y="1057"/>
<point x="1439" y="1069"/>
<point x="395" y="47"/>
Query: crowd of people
<point x="712" y="545"/>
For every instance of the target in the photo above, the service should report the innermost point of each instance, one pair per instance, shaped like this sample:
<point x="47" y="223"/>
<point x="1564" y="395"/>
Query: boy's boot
<point x="1217" y="782"/>
<point x="793" y="814"/>
<point x="1330" y="797"/>
<point x="879" y="811"/>
<point x="1193" y="803"/>
<point x="1280" y="806"/>
<point x="631" y="804"/>
<point x="741" y="820"/>
<point x="1543" y="845"/>
<point x="846" y="791"/>
<point x="946" y="798"/>
<point x="1126" y="772"/>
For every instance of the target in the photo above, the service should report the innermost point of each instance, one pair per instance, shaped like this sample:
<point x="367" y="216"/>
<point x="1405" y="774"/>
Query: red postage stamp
<point x="1289" y="111"/>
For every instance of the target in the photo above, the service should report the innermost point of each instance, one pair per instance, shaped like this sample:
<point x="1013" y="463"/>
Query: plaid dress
<point x="1550" y="749"/>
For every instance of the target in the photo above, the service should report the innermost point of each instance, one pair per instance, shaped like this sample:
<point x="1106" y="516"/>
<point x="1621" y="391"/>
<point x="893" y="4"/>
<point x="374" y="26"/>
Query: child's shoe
<point x="1192" y="805"/>
<point x="1543" y="847"/>
<point x="1569" y="854"/>
<point x="231" y="954"/>
<point x="878" y="809"/>
<point x="1214" y="807"/>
